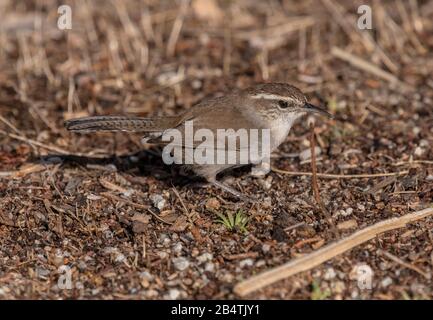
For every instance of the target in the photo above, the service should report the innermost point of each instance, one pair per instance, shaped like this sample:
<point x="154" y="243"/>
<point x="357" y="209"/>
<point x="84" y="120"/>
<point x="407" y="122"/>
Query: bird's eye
<point x="283" y="104"/>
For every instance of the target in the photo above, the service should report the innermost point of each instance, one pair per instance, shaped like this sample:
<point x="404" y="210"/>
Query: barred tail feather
<point x="120" y="123"/>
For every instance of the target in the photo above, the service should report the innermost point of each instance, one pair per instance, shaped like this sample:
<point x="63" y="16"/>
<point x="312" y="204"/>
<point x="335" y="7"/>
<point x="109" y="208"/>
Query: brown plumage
<point x="273" y="106"/>
<point x="119" y="123"/>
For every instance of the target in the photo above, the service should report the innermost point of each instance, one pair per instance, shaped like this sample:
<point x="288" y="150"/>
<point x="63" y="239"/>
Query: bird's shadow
<point x="144" y="163"/>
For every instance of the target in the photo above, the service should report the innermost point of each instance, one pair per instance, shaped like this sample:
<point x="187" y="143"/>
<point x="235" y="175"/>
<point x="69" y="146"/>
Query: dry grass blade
<point x="47" y="147"/>
<point x="113" y="187"/>
<point x="383" y="184"/>
<point x="185" y="209"/>
<point x="369" y="67"/>
<point x="328" y="252"/>
<point x="275" y="36"/>
<point x="348" y="23"/>
<point x="177" y="27"/>
<point x="23" y="171"/>
<point x="341" y="176"/>
<point x="405" y="264"/>
<point x="403" y="163"/>
<point x="10" y="125"/>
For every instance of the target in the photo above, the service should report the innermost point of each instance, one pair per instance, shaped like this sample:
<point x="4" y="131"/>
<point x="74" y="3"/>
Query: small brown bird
<point x="270" y="106"/>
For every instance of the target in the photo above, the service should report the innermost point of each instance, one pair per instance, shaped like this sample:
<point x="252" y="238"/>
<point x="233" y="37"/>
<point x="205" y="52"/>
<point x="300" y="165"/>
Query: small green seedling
<point x="238" y="222"/>
<point x="318" y="294"/>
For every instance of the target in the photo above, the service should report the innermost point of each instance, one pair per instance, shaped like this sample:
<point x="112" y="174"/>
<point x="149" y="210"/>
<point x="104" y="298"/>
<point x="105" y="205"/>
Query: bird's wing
<point x="214" y="115"/>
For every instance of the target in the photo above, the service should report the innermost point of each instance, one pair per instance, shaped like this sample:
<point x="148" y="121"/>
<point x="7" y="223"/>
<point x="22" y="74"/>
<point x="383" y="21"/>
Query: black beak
<point x="314" y="109"/>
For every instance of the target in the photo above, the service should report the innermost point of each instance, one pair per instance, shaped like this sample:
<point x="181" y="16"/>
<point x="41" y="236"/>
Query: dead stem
<point x="405" y="264"/>
<point x="315" y="185"/>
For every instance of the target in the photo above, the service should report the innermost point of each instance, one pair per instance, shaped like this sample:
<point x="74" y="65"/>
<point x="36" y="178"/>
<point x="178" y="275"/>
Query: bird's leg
<point x="231" y="190"/>
<point x="260" y="169"/>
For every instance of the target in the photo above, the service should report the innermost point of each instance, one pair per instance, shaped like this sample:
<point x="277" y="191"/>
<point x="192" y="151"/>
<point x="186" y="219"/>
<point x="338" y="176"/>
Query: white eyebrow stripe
<point x="272" y="97"/>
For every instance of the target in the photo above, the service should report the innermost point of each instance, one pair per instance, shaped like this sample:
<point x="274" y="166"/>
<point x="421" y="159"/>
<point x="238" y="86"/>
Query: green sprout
<point x="406" y="296"/>
<point x="238" y="222"/>
<point x="318" y="293"/>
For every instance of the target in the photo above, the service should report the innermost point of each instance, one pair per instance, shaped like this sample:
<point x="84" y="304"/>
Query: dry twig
<point x="315" y="184"/>
<point x="341" y="176"/>
<point x="328" y="252"/>
<point x="134" y="204"/>
<point x="405" y="264"/>
<point x="47" y="147"/>
<point x="23" y="171"/>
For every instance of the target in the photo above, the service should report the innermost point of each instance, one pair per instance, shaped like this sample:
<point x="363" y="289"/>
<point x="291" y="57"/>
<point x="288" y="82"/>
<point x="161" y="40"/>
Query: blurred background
<point x="150" y="58"/>
<point x="159" y="57"/>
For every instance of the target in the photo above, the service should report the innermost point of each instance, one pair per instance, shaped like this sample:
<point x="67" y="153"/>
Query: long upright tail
<point x="120" y="123"/>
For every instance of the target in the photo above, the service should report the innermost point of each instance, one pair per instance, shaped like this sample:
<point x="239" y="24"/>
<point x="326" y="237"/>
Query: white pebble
<point x="266" y="247"/>
<point x="246" y="263"/>
<point x="204" y="257"/>
<point x="386" y="282"/>
<point x="419" y="151"/>
<point x="260" y="263"/>
<point x="173" y="294"/>
<point x="120" y="257"/>
<point x="158" y="201"/>
<point x="180" y="263"/>
<point x="306" y="154"/>
<point x="146" y="275"/>
<point x="209" y="267"/>
<point x="177" y="248"/>
<point x="162" y="254"/>
<point x="346" y="212"/>
<point x="164" y="239"/>
<point x="329" y="274"/>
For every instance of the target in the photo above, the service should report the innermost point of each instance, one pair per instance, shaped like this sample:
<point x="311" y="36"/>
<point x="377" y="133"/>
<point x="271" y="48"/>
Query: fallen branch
<point x="341" y="176"/>
<point x="326" y="253"/>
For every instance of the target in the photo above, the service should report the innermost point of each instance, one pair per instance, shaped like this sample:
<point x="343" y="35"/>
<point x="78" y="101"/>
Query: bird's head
<point x="282" y="100"/>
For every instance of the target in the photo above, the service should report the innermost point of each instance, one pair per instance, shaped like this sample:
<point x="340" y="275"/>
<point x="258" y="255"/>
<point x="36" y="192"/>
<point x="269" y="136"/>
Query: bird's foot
<point x="261" y="169"/>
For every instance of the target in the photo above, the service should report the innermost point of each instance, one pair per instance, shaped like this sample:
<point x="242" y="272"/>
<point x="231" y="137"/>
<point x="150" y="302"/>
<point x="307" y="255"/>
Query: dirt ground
<point x="100" y="216"/>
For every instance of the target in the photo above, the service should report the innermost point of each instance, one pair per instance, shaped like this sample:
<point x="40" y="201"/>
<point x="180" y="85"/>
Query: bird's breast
<point x="279" y="131"/>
